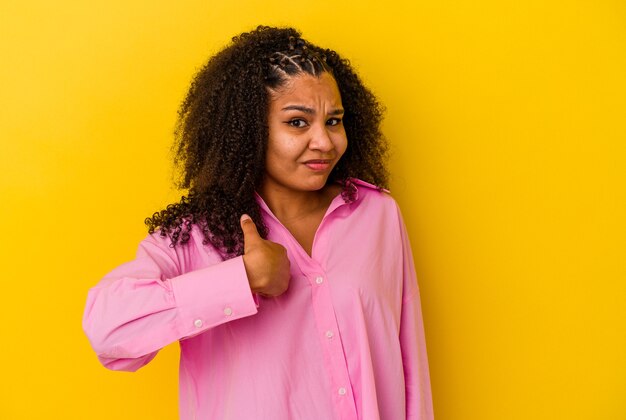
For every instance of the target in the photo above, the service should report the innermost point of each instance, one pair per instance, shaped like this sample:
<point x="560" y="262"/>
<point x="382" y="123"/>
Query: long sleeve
<point x="152" y="301"/>
<point x="412" y="340"/>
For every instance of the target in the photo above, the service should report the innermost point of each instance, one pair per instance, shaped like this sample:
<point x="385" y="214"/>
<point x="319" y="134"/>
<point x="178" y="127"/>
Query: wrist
<point x="251" y="278"/>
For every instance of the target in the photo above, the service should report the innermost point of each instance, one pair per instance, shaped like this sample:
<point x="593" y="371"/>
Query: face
<point x="306" y="133"/>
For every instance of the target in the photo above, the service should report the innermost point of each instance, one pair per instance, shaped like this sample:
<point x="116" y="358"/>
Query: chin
<point x="319" y="183"/>
<point x="312" y="187"/>
<point x="301" y="182"/>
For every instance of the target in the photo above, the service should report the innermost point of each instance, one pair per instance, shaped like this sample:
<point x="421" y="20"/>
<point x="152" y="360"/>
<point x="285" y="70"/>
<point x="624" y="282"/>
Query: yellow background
<point x="508" y="127"/>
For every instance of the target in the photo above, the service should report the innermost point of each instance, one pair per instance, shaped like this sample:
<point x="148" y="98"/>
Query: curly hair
<point x="222" y="131"/>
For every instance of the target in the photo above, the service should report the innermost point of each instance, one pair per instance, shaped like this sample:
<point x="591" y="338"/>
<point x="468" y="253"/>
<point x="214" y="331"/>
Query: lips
<point x="318" y="164"/>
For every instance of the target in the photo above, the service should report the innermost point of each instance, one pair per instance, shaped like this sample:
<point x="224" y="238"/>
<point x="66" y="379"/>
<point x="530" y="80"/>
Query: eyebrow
<point x="310" y="111"/>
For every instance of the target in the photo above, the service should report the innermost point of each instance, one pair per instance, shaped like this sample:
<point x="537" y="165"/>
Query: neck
<point x="288" y="205"/>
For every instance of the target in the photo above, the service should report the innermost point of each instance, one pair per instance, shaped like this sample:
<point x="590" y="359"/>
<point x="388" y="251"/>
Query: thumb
<point x="250" y="234"/>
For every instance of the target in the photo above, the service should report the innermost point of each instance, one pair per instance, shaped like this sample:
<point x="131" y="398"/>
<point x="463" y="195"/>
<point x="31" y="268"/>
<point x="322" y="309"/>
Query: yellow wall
<point x="508" y="125"/>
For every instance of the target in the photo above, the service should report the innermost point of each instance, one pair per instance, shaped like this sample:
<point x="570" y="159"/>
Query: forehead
<point x="307" y="89"/>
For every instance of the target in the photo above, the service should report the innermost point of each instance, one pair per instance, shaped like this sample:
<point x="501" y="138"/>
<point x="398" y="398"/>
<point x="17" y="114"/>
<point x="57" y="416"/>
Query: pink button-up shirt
<point x="345" y="341"/>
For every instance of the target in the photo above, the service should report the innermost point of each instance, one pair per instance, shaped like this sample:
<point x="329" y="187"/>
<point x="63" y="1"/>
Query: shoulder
<point x="194" y="248"/>
<point x="363" y="190"/>
<point x="366" y="185"/>
<point x="165" y="238"/>
<point x="372" y="199"/>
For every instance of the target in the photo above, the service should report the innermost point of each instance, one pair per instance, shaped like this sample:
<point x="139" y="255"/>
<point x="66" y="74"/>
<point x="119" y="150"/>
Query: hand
<point x="266" y="262"/>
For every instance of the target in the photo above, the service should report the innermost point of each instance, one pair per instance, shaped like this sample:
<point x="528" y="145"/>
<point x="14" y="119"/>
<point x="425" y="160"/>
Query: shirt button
<point x="329" y="334"/>
<point x="198" y="323"/>
<point x="319" y="280"/>
<point x="342" y="391"/>
<point x="228" y="311"/>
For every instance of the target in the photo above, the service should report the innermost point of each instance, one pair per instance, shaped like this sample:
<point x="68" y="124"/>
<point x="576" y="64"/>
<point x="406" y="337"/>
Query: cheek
<point x="341" y="144"/>
<point x="283" y="149"/>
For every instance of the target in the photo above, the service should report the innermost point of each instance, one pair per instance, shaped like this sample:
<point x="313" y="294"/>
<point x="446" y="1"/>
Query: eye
<point x="333" y="121"/>
<point x="297" y="123"/>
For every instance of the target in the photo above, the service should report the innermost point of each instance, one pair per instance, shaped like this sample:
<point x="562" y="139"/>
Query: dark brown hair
<point x="221" y="133"/>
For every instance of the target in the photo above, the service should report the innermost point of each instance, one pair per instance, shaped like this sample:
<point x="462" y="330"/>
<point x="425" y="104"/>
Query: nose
<point x="320" y="139"/>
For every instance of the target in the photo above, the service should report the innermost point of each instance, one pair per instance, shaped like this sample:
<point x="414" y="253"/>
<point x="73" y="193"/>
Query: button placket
<point x="328" y="328"/>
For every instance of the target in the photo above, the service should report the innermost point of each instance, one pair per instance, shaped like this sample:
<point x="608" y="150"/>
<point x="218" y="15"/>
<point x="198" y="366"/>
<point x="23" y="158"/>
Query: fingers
<point x="250" y="234"/>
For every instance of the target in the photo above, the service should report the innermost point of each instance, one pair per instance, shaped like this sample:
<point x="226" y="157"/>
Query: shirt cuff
<point x="212" y="296"/>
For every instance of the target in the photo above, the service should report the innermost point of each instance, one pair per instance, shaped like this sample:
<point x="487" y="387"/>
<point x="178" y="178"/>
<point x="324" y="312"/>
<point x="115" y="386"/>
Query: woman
<point x="285" y="274"/>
